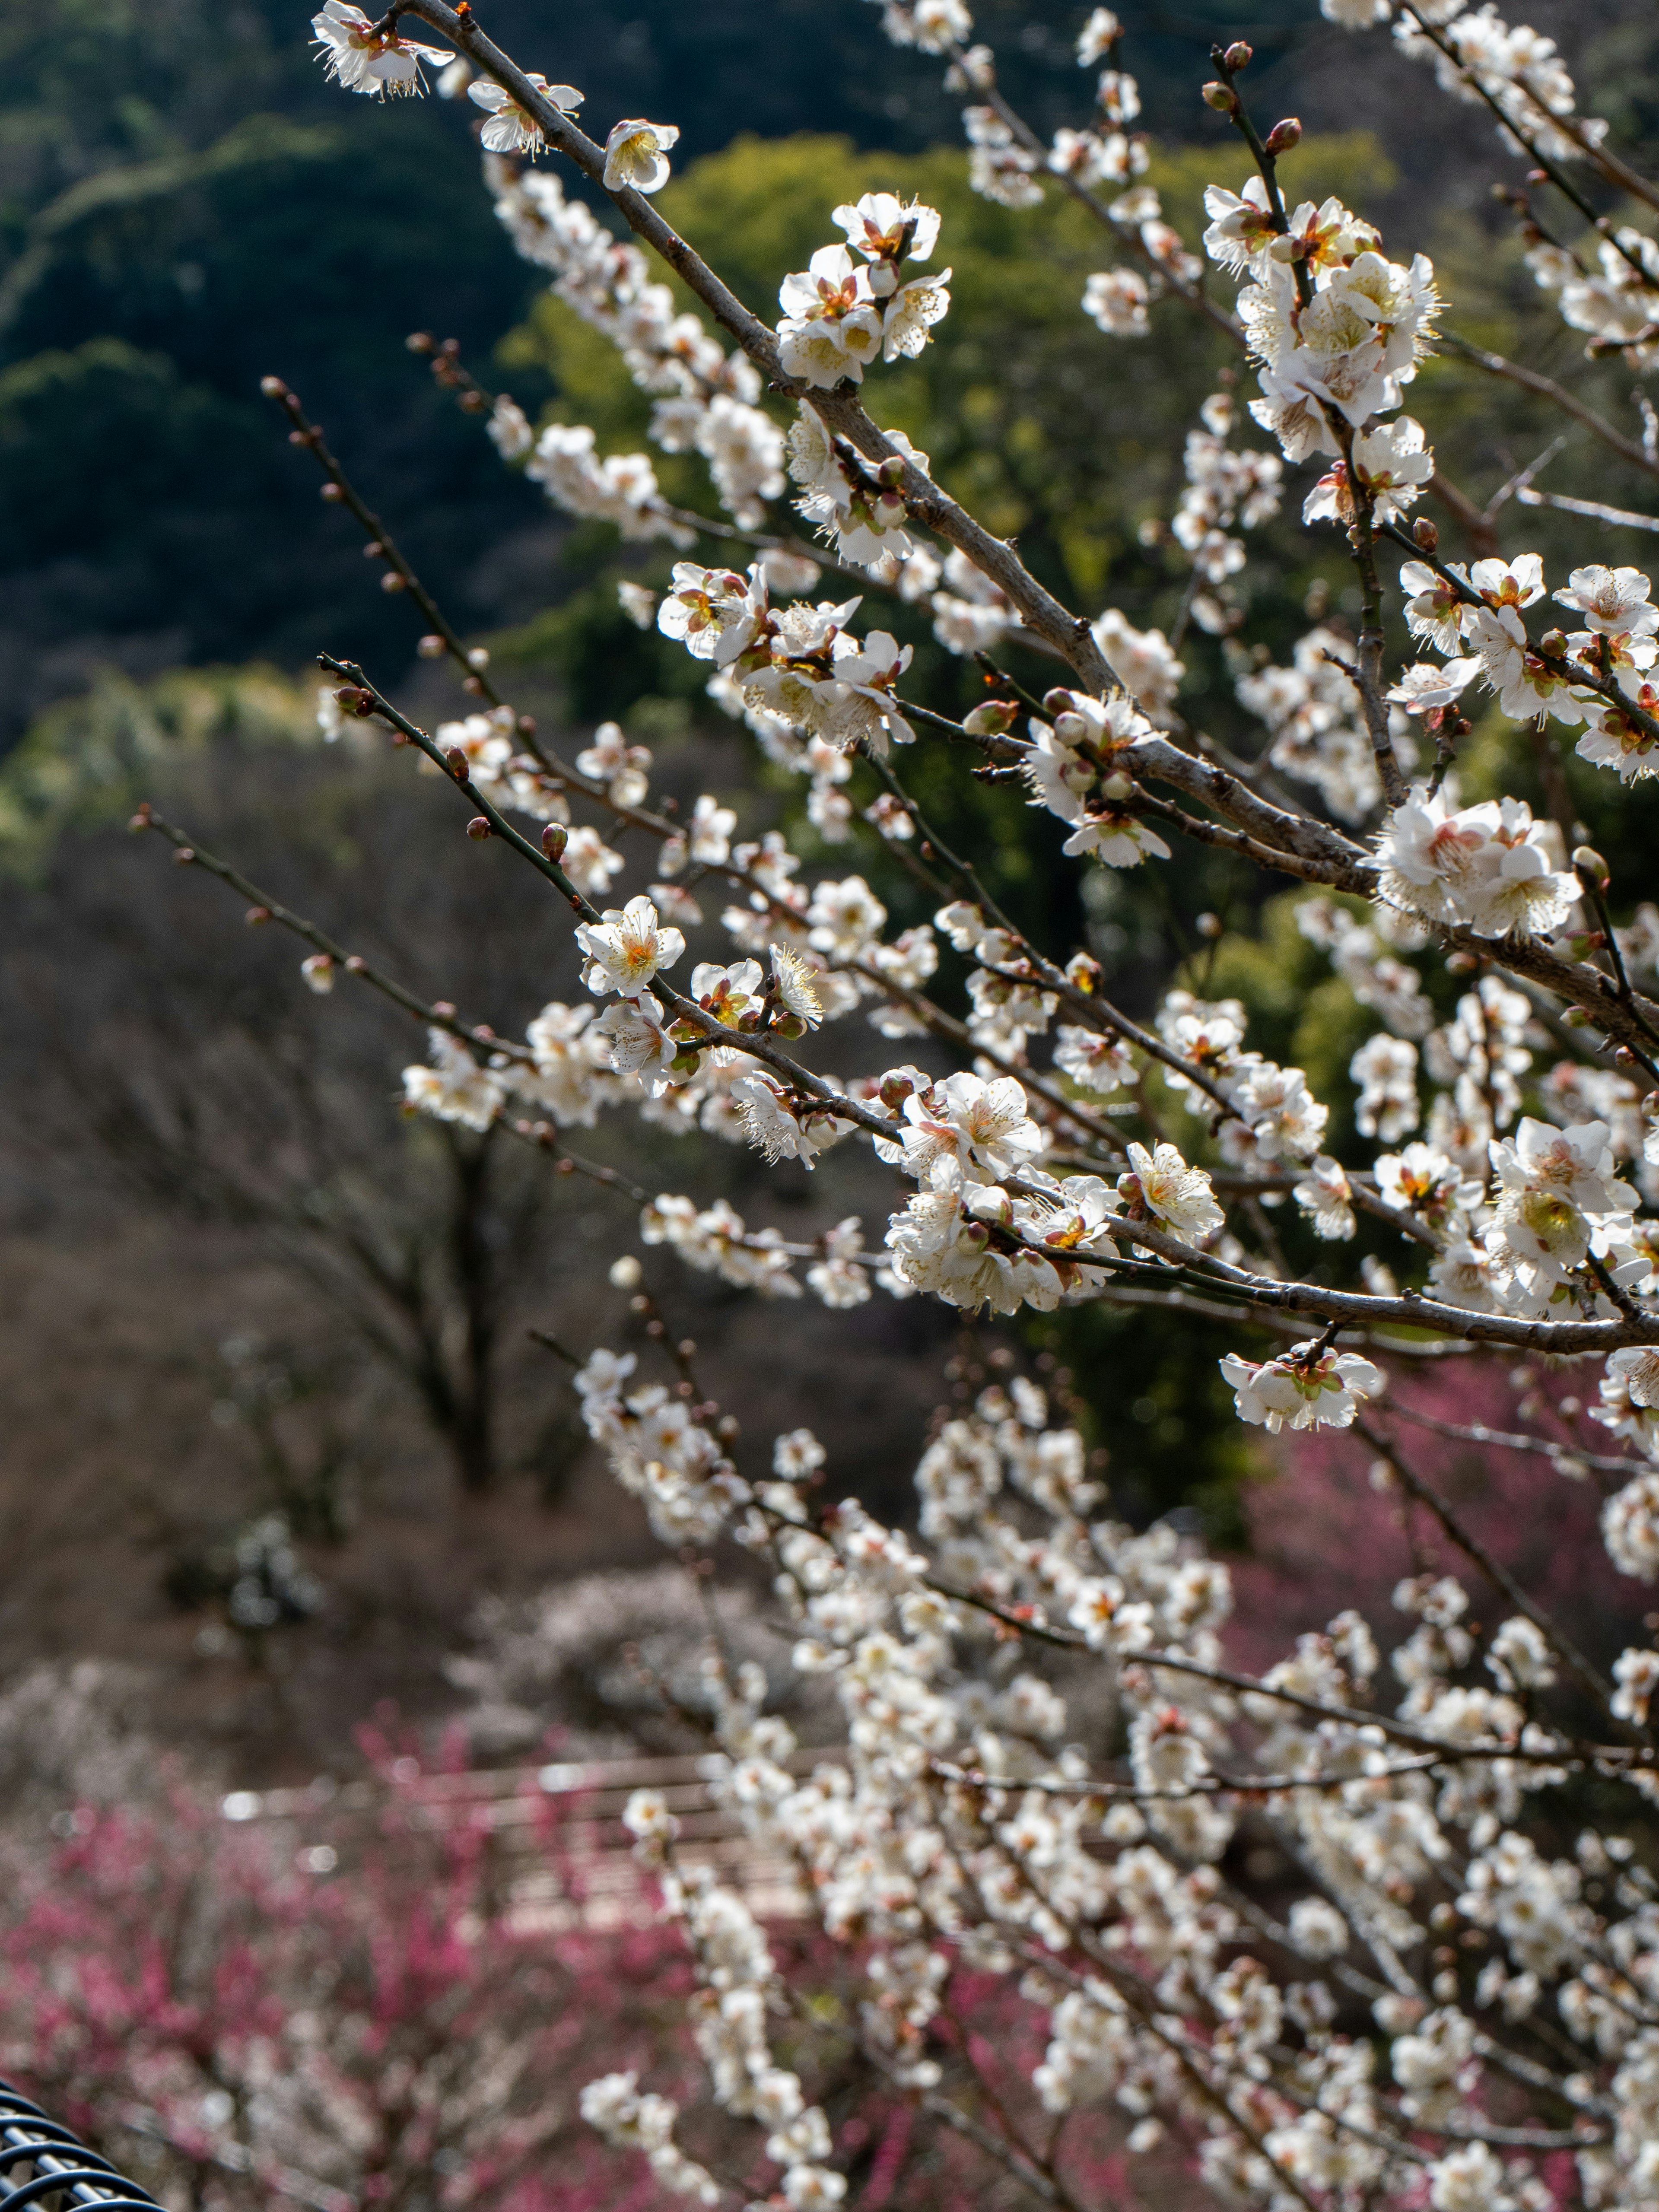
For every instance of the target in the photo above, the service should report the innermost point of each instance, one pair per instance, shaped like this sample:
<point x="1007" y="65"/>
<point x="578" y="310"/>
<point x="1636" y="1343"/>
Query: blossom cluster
<point x="1049" y="1754"/>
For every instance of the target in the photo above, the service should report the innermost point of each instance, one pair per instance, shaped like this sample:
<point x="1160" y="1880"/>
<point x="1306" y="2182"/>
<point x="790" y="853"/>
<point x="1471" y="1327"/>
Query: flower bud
<point x="458" y="764"/>
<point x="1238" y="56"/>
<point x="1284" y="135"/>
<point x="255" y="916"/>
<point x="1589" y="862"/>
<point x="355" y="964"/>
<point x="626" y="1273"/>
<point x="1220" y="97"/>
<point x="891" y="474"/>
<point x="1208" y="925"/>
<point x="353" y="698"/>
<point x="554" y="838"/>
<point x="432" y="647"/>
<point x="140" y="819"/>
<point x="420" y="342"/>
<point x="331" y="493"/>
<point x="1554" y="643"/>
<point x="1070" y="729"/>
<point x="392" y="582"/>
<point x="991" y="717"/>
<point x="1056" y="701"/>
<point x="273" y="388"/>
<point x="478" y="827"/>
<point x="1425" y="534"/>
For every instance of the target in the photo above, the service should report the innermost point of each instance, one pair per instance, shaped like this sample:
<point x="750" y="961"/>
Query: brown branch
<point x="840" y="409"/>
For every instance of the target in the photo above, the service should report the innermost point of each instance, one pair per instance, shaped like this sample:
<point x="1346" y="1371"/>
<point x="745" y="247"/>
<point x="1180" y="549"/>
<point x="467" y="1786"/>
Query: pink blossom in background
<point x="1323" y="1538"/>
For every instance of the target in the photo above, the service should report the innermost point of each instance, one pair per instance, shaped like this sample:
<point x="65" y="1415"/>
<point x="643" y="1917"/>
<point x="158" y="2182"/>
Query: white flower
<point x="845" y="918"/>
<point x="1486" y="866"/>
<point x="1630" y="1527"/>
<point x="1172" y="1193"/>
<point x="775" y="1128"/>
<point x="1434" y="611"/>
<point x="1307" y="1393"/>
<point x="510" y="429"/>
<point x="1636" y="1370"/>
<point x="833" y="322"/>
<point x="1617" y="740"/>
<point x="512" y="129"/>
<point x="972" y="1128"/>
<point x="646" y="1818"/>
<point x="1518" y="583"/>
<point x="1385" y="1068"/>
<point x="635" y="1042"/>
<point x="1392" y="463"/>
<point x="1427" y="685"/>
<point x="714" y="613"/>
<point x="603" y="1377"/>
<point x="1325" y="1196"/>
<point x="1115" y="299"/>
<point x="366" y="59"/>
<point x="883" y="227"/>
<point x="1613" y="601"/>
<point x="456" y="1088"/>
<point x="1318" y="1929"/>
<point x="1240" y="226"/>
<point x="1098" y="36"/>
<point x="1575" y="1164"/>
<point x="1519" y="1655"/>
<point x="636" y="155"/>
<point x="910" y="314"/>
<point x="813" y="2188"/>
<point x="1095" y="1063"/>
<point x="1638" y="1675"/>
<point x="626" y="950"/>
<point x="1471" y="2179"/>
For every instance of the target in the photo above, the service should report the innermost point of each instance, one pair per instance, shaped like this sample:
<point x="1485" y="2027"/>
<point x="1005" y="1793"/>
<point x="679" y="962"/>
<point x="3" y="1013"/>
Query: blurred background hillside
<point x="263" y="1336"/>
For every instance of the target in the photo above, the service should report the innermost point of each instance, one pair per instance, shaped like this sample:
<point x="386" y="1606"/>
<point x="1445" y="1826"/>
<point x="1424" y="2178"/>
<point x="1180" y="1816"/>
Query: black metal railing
<point x="42" y="2163"/>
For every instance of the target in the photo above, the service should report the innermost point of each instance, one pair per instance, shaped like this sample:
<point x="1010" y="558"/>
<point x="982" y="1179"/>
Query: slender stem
<point x="1496" y="1573"/>
<point x="1546" y="387"/>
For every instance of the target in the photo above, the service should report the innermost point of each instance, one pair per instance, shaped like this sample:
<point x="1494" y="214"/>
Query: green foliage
<point x="89" y="760"/>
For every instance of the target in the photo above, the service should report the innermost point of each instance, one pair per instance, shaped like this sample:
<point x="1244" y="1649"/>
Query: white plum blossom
<point x="627" y="948"/>
<point x="1351" y="1934"/>
<point x="1306" y="1388"/>
<point x="512" y="129"/>
<point x="1489" y="867"/>
<point x="365" y="58"/>
<point x="1178" y="1197"/>
<point x="636" y="155"/>
<point x="834" y="323"/>
<point x="455" y="1087"/>
<point x="1115" y="299"/>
